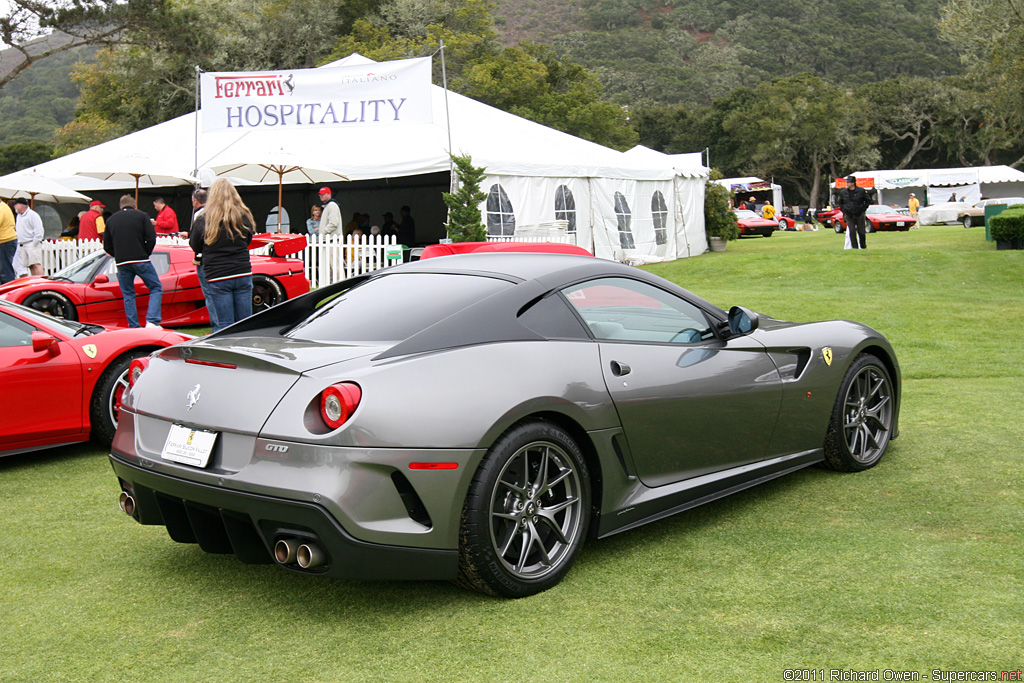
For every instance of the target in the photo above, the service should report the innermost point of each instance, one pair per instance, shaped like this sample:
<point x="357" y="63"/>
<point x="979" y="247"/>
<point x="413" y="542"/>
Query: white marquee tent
<point x="640" y="205"/>
<point x="936" y="185"/>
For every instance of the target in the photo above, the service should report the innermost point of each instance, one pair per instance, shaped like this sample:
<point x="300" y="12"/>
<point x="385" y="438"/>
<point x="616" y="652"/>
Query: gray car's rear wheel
<point x="862" y="419"/>
<point x="526" y="514"/>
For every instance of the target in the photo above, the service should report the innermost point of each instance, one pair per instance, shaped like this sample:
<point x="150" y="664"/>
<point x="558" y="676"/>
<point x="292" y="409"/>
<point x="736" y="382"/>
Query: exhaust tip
<point x="310" y="556"/>
<point x="126" y="503"/>
<point x="285" y="550"/>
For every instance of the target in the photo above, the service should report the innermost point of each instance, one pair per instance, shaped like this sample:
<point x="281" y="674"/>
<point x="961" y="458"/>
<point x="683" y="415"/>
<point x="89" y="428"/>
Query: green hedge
<point x="1008" y="226"/>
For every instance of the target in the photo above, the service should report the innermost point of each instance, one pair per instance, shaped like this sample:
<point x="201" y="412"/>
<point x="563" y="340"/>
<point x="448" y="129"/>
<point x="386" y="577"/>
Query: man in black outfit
<point x="853" y="201"/>
<point x="130" y="238"/>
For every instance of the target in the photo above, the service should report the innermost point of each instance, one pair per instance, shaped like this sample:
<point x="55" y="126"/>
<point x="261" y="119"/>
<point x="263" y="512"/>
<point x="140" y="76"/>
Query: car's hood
<point x="888" y="217"/>
<point x="23" y="282"/>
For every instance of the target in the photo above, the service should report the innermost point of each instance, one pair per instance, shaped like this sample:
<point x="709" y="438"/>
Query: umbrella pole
<point x="280" y="183"/>
<point x="136" y="192"/>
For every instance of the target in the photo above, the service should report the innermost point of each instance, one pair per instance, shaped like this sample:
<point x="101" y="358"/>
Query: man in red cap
<point x="90" y="225"/>
<point x="330" y="218"/>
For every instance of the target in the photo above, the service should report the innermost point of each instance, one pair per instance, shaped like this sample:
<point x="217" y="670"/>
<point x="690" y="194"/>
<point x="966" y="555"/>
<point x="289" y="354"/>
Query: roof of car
<point x="521" y="266"/>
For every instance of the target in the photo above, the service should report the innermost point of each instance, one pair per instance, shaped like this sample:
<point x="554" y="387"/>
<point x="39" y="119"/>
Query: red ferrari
<point x="752" y="224"/>
<point x="87" y="290"/>
<point x="86" y="364"/>
<point x="879" y="218"/>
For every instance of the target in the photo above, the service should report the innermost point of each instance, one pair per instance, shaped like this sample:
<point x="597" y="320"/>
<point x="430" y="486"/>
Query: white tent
<point x="540" y="181"/>
<point x="936" y="185"/>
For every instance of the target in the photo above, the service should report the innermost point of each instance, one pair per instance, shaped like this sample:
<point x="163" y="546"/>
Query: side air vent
<point x="413" y="504"/>
<point x="622" y="458"/>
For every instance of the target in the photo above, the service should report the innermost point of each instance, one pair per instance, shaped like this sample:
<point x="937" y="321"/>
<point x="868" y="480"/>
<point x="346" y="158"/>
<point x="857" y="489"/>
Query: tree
<point x="21" y="155"/>
<point x="907" y="115"/>
<point x="464" y="220"/>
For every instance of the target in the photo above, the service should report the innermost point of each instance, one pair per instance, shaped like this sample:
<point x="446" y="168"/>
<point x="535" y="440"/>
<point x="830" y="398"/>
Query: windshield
<point x="880" y="208"/>
<point x="743" y="213"/>
<point x="394" y="307"/>
<point x="84" y="269"/>
<point x="69" y="327"/>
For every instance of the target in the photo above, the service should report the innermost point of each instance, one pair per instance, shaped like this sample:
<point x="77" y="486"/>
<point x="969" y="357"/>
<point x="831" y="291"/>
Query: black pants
<point x="856" y="225"/>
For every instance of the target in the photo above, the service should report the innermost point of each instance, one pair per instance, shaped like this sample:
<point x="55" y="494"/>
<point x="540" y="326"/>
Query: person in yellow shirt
<point x="768" y="211"/>
<point x="8" y="243"/>
<point x="913" y="205"/>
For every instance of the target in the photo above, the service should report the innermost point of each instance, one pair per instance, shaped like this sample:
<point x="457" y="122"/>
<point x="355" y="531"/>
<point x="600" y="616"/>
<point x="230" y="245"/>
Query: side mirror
<point x="742" y="320"/>
<point x="102" y="278"/>
<point x="44" y="342"/>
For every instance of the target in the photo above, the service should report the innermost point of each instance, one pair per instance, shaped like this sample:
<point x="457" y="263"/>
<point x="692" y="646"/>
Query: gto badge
<point x="277" y="448"/>
<point x="826" y="353"/>
<point x="193" y="397"/>
<point x="89" y="350"/>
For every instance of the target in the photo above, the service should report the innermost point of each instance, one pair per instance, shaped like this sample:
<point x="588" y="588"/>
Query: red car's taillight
<point x="338" y="402"/>
<point x="136" y="368"/>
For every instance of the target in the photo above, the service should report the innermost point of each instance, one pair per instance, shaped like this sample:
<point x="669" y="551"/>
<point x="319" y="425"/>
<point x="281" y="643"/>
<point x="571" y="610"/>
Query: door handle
<point x="620" y="369"/>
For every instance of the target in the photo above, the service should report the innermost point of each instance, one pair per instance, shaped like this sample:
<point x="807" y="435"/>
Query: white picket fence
<point x="328" y="258"/>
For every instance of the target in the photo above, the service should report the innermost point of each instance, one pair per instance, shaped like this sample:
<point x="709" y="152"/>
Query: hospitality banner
<point x="367" y="94"/>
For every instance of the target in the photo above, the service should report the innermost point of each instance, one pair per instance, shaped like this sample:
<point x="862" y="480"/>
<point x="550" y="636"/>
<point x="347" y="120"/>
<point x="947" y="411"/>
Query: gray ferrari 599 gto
<point x="477" y="417"/>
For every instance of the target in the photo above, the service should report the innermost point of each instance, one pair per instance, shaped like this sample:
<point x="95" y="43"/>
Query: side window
<point x="629" y="310"/>
<point x="551" y="318"/>
<point x="14" y="332"/>
<point x="271" y="223"/>
<point x="501" y="220"/>
<point x="161" y="261"/>
<point x="659" y="210"/>
<point x="565" y="207"/>
<point x="623" y="216"/>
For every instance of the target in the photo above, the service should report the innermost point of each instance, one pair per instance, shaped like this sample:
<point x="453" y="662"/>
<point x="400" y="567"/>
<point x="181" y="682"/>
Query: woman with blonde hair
<point x="222" y="233"/>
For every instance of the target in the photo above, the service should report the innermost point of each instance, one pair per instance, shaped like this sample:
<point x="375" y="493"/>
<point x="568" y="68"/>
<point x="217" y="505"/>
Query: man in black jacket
<point x="853" y="201"/>
<point x="130" y="238"/>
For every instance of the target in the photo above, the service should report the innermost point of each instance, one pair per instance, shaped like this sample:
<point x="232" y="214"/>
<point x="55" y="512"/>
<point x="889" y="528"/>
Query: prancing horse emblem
<point x="826" y="353"/>
<point x="193" y="397"/>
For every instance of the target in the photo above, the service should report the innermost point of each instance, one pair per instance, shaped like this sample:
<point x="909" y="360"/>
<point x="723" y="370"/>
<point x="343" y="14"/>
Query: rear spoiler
<point x="281" y="244"/>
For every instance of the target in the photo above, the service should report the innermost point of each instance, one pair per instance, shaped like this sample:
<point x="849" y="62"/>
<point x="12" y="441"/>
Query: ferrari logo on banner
<point x="90" y="350"/>
<point x="826" y="353"/>
<point x="360" y="95"/>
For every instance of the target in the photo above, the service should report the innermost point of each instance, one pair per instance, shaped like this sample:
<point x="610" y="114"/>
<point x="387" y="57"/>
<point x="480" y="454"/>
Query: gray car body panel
<point x="690" y="423"/>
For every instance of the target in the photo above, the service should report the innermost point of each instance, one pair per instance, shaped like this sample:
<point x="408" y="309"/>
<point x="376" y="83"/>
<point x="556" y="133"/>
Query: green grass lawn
<point x="917" y="564"/>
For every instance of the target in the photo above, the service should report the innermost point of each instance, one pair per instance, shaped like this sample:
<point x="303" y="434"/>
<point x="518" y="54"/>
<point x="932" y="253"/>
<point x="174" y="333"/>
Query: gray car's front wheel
<point x="526" y="514"/>
<point x="862" y="418"/>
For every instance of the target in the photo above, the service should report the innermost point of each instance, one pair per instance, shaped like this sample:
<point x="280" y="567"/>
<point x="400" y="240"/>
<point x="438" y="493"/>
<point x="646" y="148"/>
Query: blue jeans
<point x="7" y="250"/>
<point x="231" y="298"/>
<point x="126" y="278"/>
<point x="205" y="287"/>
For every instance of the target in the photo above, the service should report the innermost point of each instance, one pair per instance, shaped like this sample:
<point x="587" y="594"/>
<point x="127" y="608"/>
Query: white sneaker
<point x="154" y="325"/>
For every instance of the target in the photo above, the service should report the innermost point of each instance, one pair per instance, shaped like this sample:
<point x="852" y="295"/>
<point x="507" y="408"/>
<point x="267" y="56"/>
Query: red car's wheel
<point x="106" y="397"/>
<point x="52" y="303"/>
<point x="266" y="292"/>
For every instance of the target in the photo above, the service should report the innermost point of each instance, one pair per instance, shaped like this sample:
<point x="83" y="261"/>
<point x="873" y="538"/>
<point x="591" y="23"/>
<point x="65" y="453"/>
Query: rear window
<point x="393" y="308"/>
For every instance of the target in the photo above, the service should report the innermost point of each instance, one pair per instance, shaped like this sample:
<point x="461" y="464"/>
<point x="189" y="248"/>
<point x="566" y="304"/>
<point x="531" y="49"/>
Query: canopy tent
<point x="934" y="186"/>
<point x="741" y="186"/>
<point x="539" y="181"/>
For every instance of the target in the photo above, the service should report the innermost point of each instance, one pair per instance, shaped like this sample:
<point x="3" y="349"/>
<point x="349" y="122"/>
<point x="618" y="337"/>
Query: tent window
<point x="271" y="225"/>
<point x="623" y="216"/>
<point x="501" y="221"/>
<point x="565" y="207"/>
<point x="659" y="210"/>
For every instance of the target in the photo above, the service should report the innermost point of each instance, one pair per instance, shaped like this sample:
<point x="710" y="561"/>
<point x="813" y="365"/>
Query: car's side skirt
<point x="643" y="504"/>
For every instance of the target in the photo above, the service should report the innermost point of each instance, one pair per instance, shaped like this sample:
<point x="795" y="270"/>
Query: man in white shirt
<point x="29" y="227"/>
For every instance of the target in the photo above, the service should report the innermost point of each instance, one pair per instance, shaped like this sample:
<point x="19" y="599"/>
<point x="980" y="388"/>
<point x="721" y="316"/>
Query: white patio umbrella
<point x="284" y="166"/>
<point x="35" y="187"/>
<point x="140" y="169"/>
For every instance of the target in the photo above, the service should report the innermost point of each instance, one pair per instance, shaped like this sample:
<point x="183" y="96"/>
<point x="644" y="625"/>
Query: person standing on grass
<point x="130" y="238"/>
<point x="222" y="234"/>
<point x="853" y="201"/>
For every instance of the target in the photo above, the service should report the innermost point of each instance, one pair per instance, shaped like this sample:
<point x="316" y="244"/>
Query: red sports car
<point x="62" y="380"/>
<point x="87" y="290"/>
<point x="879" y="217"/>
<point x="752" y="224"/>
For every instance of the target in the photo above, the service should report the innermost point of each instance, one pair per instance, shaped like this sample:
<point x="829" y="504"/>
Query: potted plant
<point x="1007" y="229"/>
<point x="719" y="222"/>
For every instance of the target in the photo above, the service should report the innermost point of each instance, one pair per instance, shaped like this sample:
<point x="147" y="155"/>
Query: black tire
<point x="967" y="221"/>
<point x="769" y="233"/>
<point x="106" y="397"/>
<point x="869" y="228"/>
<point x="863" y="416"/>
<point x="520" y="532"/>
<point x="52" y="303"/>
<point x="266" y="292"/>
<point x="838" y="228"/>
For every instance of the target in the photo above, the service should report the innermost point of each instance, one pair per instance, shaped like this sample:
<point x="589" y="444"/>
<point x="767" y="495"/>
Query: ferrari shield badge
<point x="89" y="350"/>
<point x="826" y="353"/>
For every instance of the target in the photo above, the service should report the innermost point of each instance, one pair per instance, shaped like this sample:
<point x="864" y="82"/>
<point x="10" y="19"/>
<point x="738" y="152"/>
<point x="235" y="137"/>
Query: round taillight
<point x="338" y="402"/>
<point x="136" y="368"/>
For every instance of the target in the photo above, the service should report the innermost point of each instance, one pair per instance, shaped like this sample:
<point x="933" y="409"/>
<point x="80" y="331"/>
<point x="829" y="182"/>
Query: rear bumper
<point x="248" y="525"/>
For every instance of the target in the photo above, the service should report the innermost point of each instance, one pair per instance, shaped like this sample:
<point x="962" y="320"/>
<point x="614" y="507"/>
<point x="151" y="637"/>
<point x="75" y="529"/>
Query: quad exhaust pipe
<point x="126" y="503"/>
<point x="306" y="554"/>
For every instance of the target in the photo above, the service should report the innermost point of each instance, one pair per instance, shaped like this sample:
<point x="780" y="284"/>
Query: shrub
<point x="464" y="219"/>
<point x="719" y="221"/>
<point x="1008" y="226"/>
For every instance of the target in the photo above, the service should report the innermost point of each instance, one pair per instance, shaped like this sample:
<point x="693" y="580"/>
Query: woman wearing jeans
<point x="222" y="234"/>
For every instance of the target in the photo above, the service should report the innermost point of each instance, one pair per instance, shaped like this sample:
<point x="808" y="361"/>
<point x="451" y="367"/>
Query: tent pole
<point x="195" y="146"/>
<point x="448" y="123"/>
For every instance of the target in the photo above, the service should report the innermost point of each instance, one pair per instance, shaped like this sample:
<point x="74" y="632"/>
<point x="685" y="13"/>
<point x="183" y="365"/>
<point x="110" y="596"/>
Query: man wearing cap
<point x="29" y="227"/>
<point x="853" y="201"/>
<point x="330" y="218"/>
<point x="89" y="223"/>
<point x="8" y="243"/>
<point x="130" y="239"/>
<point x="914" y="204"/>
<point x="166" y="221"/>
